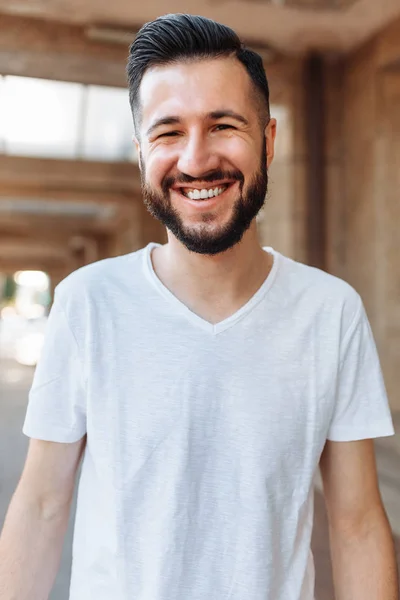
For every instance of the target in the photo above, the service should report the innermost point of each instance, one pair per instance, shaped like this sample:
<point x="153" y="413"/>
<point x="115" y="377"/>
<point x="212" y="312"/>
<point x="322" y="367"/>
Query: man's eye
<point x="224" y="126"/>
<point x="169" y="134"/>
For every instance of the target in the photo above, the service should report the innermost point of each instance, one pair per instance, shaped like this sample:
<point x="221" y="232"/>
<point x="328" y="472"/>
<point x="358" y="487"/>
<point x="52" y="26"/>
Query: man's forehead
<point x="195" y="67"/>
<point x="197" y="87"/>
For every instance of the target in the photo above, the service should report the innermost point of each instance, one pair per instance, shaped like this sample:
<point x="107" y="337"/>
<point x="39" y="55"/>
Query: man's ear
<point x="270" y="134"/>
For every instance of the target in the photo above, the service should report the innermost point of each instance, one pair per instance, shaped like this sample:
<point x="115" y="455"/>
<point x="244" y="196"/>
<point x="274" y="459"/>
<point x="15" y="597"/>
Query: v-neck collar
<point x="213" y="328"/>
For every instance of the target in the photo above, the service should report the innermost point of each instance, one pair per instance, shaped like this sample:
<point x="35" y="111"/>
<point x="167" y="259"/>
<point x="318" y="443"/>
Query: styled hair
<point x="180" y="37"/>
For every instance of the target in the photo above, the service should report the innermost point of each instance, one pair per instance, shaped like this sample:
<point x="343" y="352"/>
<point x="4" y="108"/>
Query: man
<point x="205" y="380"/>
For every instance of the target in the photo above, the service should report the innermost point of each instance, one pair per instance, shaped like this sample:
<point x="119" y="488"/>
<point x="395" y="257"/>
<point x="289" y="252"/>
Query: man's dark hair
<point x="179" y="37"/>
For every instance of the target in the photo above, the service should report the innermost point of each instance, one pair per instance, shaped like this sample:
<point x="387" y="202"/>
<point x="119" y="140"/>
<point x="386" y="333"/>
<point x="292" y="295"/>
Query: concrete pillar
<point x="363" y="179"/>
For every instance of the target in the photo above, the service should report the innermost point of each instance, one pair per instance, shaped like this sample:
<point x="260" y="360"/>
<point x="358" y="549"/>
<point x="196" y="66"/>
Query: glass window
<point x="108" y="128"/>
<point x="54" y="119"/>
<point x="42" y="117"/>
<point x="283" y="145"/>
<point x="2" y="115"/>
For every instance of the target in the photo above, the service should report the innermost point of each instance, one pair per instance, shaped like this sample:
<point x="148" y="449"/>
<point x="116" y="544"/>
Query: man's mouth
<point x="204" y="193"/>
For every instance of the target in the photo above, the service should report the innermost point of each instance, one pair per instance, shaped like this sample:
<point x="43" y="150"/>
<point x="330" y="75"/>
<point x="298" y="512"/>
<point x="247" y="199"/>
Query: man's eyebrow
<point x="163" y="121"/>
<point x="222" y="114"/>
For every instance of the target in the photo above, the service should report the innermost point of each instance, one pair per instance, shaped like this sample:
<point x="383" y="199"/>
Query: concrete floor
<point x="14" y="385"/>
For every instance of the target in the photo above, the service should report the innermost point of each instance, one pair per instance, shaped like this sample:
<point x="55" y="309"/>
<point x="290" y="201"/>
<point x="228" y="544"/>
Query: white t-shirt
<point x="202" y="440"/>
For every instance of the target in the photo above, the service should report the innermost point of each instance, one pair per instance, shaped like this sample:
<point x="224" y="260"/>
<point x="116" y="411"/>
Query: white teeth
<point x="204" y="194"/>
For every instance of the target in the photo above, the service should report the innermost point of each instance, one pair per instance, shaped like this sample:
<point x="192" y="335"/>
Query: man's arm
<point x="363" y="555"/>
<point x="37" y="519"/>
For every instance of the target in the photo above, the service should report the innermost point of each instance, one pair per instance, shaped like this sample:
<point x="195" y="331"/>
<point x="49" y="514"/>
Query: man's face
<point x="204" y="154"/>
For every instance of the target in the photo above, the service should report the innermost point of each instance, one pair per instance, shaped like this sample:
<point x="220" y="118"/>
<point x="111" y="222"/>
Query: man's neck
<point x="213" y="287"/>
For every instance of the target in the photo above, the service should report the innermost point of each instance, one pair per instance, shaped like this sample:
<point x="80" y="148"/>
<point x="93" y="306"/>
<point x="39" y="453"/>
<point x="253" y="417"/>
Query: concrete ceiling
<point x="288" y="25"/>
<point x="47" y="204"/>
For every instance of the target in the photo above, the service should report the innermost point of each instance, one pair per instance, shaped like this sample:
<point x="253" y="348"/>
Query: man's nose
<point x="197" y="157"/>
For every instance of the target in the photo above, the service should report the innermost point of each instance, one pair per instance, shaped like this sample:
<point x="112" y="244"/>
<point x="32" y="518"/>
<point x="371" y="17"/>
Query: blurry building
<point x="70" y="185"/>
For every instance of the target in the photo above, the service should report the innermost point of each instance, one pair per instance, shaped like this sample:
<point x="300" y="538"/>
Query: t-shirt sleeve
<point x="56" y="407"/>
<point x="361" y="405"/>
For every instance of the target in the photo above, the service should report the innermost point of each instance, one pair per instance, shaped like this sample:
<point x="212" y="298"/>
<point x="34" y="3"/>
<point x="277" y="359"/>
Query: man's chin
<point x="208" y="243"/>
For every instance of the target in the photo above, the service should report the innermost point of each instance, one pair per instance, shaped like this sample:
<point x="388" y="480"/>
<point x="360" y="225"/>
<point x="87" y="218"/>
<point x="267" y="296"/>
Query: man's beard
<point x="200" y="240"/>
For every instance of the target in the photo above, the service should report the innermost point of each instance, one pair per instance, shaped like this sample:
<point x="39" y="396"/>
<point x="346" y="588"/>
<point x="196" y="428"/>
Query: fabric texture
<point x="203" y="440"/>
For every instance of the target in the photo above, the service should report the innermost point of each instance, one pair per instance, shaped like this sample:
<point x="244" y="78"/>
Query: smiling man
<point x="206" y="380"/>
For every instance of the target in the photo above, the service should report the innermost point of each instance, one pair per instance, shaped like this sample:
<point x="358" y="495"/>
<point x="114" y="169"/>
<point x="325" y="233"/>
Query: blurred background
<point x="70" y="185"/>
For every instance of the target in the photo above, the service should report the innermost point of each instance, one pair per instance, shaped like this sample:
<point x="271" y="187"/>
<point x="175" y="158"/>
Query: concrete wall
<point x="137" y="232"/>
<point x="282" y="222"/>
<point x="363" y="182"/>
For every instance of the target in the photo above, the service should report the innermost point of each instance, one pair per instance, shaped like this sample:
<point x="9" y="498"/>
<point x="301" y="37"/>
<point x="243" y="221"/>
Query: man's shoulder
<point x="318" y="288"/>
<point x="97" y="277"/>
